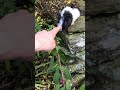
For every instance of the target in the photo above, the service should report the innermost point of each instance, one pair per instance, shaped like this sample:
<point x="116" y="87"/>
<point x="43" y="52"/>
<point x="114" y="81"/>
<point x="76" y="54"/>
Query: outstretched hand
<point x="45" y="40"/>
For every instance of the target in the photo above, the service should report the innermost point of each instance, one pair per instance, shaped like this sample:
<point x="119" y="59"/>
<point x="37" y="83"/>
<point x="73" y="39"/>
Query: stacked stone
<point x="103" y="44"/>
<point x="75" y="41"/>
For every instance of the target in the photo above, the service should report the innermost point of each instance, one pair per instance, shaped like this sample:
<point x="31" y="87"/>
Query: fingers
<point x="55" y="31"/>
<point x="50" y="46"/>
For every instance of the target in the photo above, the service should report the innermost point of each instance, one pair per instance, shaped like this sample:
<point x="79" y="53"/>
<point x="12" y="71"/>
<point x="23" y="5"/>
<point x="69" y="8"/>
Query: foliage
<point x="8" y="6"/>
<point x="82" y="87"/>
<point x="50" y="74"/>
<point x="16" y="75"/>
<point x="47" y="66"/>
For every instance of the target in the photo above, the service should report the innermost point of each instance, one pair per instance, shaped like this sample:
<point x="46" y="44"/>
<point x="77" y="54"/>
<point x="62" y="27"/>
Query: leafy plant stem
<point x="62" y="74"/>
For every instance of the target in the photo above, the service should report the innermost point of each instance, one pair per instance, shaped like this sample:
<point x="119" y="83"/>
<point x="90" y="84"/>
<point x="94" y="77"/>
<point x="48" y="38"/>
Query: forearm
<point x="17" y="35"/>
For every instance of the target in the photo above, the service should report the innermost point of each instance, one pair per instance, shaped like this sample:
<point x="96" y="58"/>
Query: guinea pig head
<point x="67" y="20"/>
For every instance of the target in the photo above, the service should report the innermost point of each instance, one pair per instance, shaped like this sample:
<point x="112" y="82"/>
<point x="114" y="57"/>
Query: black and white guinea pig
<point x="68" y="16"/>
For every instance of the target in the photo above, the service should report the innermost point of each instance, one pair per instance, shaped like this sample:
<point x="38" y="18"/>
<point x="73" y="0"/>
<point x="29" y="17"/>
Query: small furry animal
<point x="68" y="16"/>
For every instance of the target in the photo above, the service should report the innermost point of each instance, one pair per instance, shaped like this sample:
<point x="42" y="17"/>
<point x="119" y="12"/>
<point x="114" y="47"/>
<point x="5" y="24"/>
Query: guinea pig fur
<point x="68" y="16"/>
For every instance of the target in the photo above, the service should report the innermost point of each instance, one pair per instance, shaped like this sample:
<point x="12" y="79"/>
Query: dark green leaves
<point x="63" y="88"/>
<point x="82" y="87"/>
<point x="57" y="77"/>
<point x="57" y="87"/>
<point x="68" y="87"/>
<point x="52" y="61"/>
<point x="66" y="73"/>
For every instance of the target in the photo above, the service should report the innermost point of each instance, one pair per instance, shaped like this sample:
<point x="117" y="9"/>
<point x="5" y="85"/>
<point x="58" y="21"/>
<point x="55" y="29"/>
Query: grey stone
<point x="103" y="43"/>
<point x="98" y="27"/>
<point x="79" y="25"/>
<point x="111" y="41"/>
<point x="94" y="7"/>
<point x="111" y="69"/>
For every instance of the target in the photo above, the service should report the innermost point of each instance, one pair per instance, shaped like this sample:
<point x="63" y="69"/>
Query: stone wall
<point x="103" y="44"/>
<point x="75" y="42"/>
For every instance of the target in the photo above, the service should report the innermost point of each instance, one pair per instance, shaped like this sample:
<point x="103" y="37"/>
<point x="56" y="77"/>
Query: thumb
<point x="54" y="31"/>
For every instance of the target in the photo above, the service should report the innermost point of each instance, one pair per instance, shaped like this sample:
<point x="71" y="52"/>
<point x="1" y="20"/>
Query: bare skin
<point x="45" y="41"/>
<point x="17" y="36"/>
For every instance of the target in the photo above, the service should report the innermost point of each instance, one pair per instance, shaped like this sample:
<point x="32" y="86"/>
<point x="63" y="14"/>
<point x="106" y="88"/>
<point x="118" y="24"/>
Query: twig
<point x="63" y="79"/>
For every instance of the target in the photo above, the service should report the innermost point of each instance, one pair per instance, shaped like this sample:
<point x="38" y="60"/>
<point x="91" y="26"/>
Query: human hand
<point x="45" y="40"/>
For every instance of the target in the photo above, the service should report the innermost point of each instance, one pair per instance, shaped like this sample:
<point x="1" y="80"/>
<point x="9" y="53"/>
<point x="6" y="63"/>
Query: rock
<point x="80" y="55"/>
<point x="76" y="43"/>
<point x="102" y="38"/>
<point x="79" y="25"/>
<point x="111" y="69"/>
<point x="111" y="41"/>
<point x="99" y="27"/>
<point x="77" y="67"/>
<point x="89" y="81"/>
<point x="94" y="7"/>
<point x="77" y="79"/>
<point x="89" y="63"/>
<point x="103" y="44"/>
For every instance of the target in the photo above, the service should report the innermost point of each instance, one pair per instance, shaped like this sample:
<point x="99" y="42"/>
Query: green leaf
<point x="82" y="87"/>
<point x="65" y="51"/>
<point x="52" y="61"/>
<point x="63" y="88"/>
<point x="56" y="77"/>
<point x="68" y="87"/>
<point x="9" y="5"/>
<point x="63" y="57"/>
<point x="52" y="68"/>
<point x="54" y="52"/>
<point x="57" y="48"/>
<point x="57" y="87"/>
<point x="58" y="38"/>
<point x="67" y="74"/>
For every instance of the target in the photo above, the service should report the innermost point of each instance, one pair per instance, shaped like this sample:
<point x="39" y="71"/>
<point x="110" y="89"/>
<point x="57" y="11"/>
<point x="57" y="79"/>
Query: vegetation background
<point x="49" y="73"/>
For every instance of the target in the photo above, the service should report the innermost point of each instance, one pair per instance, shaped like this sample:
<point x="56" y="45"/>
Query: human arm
<point x="45" y="40"/>
<point x="17" y="35"/>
